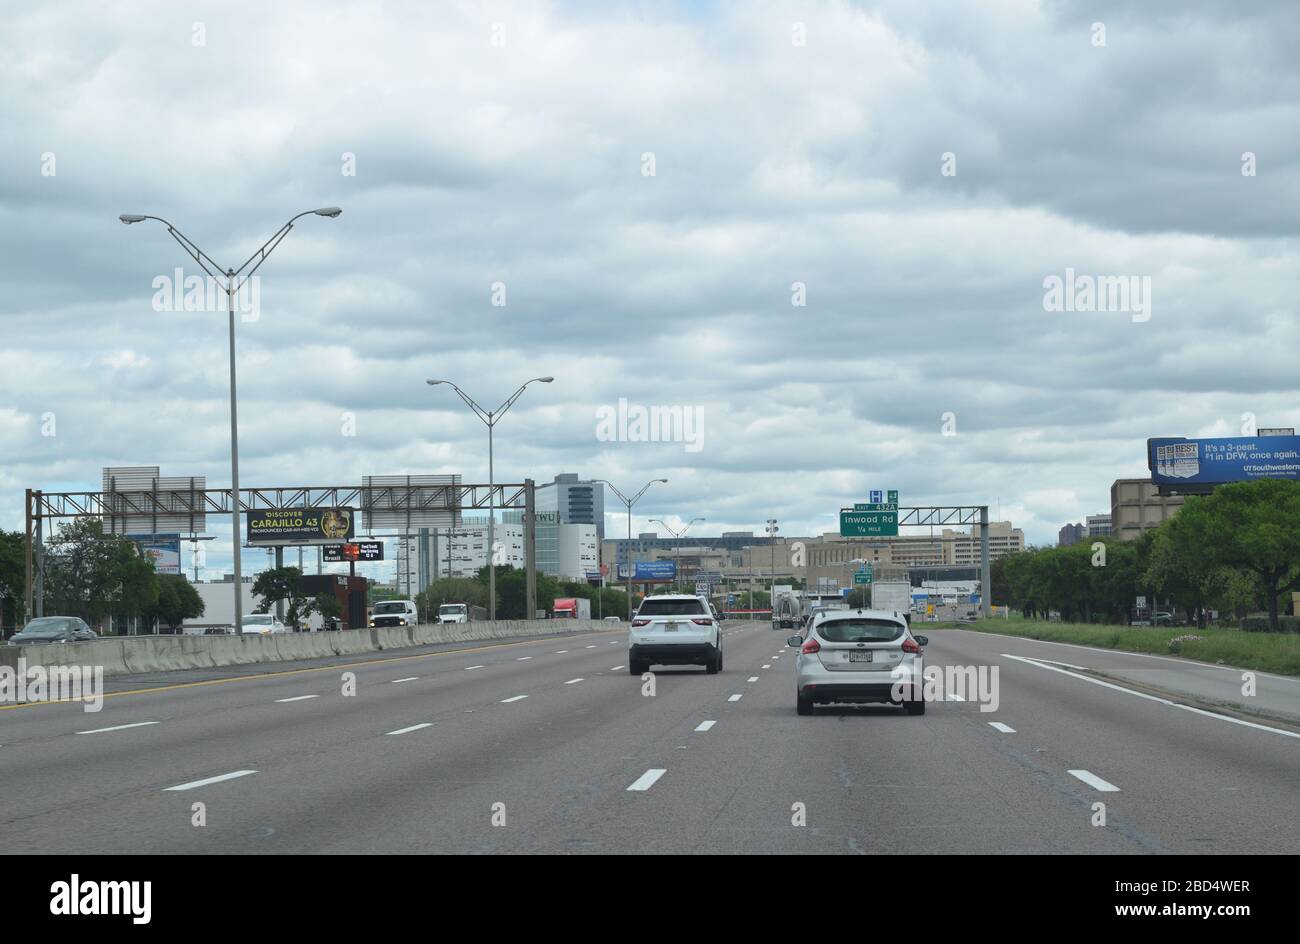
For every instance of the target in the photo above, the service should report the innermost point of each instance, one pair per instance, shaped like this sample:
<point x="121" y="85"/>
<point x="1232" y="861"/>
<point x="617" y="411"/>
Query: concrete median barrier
<point x="131" y="655"/>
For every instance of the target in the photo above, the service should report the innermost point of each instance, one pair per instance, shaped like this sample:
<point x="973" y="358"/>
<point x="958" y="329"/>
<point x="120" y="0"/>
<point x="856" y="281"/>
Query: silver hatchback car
<point x="859" y="656"/>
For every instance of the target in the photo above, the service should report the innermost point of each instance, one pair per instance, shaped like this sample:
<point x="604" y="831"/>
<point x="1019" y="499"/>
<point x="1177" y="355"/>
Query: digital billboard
<point x="356" y="551"/>
<point x="300" y="526"/>
<point x="1176" y="461"/>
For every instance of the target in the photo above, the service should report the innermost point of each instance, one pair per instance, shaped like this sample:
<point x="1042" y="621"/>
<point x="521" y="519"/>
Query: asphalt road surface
<point x="550" y="746"/>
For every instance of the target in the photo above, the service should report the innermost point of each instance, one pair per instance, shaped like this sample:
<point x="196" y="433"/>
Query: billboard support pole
<point x="530" y="549"/>
<point x="27" y="596"/>
<point x="279" y="563"/>
<point x="986" y="589"/>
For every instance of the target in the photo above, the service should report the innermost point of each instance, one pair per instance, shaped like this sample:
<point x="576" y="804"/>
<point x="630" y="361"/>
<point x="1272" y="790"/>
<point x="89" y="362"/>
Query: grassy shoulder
<point x="1264" y="652"/>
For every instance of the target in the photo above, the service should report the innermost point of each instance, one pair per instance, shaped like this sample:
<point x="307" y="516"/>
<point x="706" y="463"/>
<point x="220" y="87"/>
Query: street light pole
<point x="629" y="502"/>
<point x="234" y="280"/>
<point x="677" y="535"/>
<point x="489" y="418"/>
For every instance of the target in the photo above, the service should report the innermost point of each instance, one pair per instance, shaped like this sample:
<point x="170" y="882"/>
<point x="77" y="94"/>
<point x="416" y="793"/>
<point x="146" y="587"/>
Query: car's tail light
<point x="636" y="622"/>
<point x="702" y="621"/>
<point x="811" y="646"/>
<point x="910" y="645"/>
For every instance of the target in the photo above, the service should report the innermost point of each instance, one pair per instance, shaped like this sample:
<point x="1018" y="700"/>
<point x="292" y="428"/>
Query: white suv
<point x="674" y="629"/>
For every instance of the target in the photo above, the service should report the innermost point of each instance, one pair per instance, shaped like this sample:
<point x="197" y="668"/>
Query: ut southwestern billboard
<point x="300" y="526"/>
<point x="1177" y="461"/>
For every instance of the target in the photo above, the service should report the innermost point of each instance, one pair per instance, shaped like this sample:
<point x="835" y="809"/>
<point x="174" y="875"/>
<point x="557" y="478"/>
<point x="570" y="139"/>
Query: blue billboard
<point x="1177" y="461"/>
<point x="663" y="570"/>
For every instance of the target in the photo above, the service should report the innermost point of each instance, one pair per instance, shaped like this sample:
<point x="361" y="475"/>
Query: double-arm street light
<point x="629" y="502"/>
<point x="489" y="418"/>
<point x="231" y="281"/>
<point x="677" y="535"/>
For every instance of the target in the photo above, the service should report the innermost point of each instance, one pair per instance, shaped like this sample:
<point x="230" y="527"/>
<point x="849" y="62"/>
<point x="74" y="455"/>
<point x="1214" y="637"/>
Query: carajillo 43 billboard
<point x="272" y="526"/>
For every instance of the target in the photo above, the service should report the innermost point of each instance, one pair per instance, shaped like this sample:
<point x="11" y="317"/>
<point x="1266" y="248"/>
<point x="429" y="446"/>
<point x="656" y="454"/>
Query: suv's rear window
<point x="654" y="607"/>
<point x="859" y="629"/>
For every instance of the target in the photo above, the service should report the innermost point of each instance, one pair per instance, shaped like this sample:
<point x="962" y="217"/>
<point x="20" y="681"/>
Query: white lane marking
<point x="753" y="678"/>
<point x="280" y="701"/>
<point x="952" y="697"/>
<point x="193" y="784"/>
<point x="119" y="727"/>
<point x="414" y="727"/>
<point x="705" y="725"/>
<point x="560" y="652"/>
<point x="613" y="642"/>
<point x="592" y="646"/>
<point x="411" y="678"/>
<point x="523" y="658"/>
<point x="1094" y="781"/>
<point x="768" y="666"/>
<point x="647" y="779"/>
<point x="506" y="701"/>
<point x="573" y="681"/>
<point x="735" y="698"/>
<point x="471" y="667"/>
<point x="999" y="726"/>
<point x="617" y="667"/>
<point x="1163" y="701"/>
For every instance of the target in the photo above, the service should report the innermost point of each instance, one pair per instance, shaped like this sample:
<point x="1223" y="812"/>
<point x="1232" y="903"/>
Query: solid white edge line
<point x="1155" y="698"/>
<point x="414" y="727"/>
<point x="506" y="701"/>
<point x="1094" y="781"/>
<point x="647" y="779"/>
<point x="705" y="725"/>
<point x="119" y="727"/>
<point x="281" y="701"/>
<point x="193" y="784"/>
<point x="999" y="726"/>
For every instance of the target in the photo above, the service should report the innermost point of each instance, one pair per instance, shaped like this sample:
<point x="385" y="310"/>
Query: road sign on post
<point x="862" y="576"/>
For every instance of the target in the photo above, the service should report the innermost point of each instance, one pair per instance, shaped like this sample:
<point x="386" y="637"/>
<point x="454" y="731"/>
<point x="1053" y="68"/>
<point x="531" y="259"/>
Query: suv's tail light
<point x="910" y="645"/>
<point x="811" y="646"/>
<point x="637" y="622"/>
<point x="702" y="620"/>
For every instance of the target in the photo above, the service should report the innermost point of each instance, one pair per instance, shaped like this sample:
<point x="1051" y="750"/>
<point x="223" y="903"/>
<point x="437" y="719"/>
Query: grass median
<point x="1264" y="652"/>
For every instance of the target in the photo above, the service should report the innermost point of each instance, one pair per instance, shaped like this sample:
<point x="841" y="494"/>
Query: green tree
<point x="13" y="578"/>
<point x="91" y="574"/>
<point x="1252" y="526"/>
<point x="284" y="584"/>
<point x="177" y="601"/>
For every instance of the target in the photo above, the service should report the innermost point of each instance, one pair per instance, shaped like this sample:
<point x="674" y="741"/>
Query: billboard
<point x="1176" y="461"/>
<point x="651" y="571"/>
<point x="410" y="502"/>
<point x="288" y="526"/>
<point x="138" y="500"/>
<point x="163" y="549"/>
<point x="359" y="551"/>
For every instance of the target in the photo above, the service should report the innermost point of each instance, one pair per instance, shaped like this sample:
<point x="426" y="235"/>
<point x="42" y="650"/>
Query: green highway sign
<point x="875" y="506"/>
<point x="862" y="576"/>
<point x="868" y="524"/>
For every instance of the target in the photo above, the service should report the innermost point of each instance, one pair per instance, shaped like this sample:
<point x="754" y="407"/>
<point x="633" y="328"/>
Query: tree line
<point x="1236" y="550"/>
<point x="512" y="596"/>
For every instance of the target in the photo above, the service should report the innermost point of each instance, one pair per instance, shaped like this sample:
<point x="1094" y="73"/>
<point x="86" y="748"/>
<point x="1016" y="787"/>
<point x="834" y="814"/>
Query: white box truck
<point x="893" y="595"/>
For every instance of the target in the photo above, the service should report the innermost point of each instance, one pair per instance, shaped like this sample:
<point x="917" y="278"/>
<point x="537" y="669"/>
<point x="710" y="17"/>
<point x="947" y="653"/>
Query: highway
<point x="557" y="739"/>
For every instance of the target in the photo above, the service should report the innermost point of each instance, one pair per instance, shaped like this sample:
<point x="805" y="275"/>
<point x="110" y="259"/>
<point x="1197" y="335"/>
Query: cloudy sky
<point x="652" y="189"/>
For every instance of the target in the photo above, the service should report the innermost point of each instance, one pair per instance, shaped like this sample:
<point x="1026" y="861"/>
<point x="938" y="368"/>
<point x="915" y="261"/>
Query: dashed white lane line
<point x="593" y="646"/>
<point x="647" y="779"/>
<point x="194" y="784"/>
<point x="735" y="698"/>
<point x="560" y="652"/>
<point x="753" y="678"/>
<point x="705" y="725"/>
<point x="119" y="727"/>
<point x="506" y="701"/>
<point x="410" y="678"/>
<point x="614" y="642"/>
<point x="414" y="727"/>
<point x="768" y="666"/>
<point x="1094" y="781"/>
<point x="617" y="667"/>
<point x="573" y="681"/>
<point x="280" y="701"/>
<point x="952" y="697"/>
<point x="1163" y="701"/>
<point x="470" y="668"/>
<point x="999" y="726"/>
<point x="523" y="658"/>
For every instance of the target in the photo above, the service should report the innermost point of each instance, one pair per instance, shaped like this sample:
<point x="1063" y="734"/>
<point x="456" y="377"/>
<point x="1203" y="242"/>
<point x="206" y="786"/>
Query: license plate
<point x="670" y="627"/>
<point x="863" y="656"/>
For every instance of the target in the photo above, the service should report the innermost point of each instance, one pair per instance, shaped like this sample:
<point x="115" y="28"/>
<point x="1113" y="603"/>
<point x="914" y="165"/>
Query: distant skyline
<point x="777" y="254"/>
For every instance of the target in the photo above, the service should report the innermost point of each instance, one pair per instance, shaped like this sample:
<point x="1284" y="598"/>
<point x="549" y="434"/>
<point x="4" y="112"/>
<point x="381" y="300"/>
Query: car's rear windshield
<point x="451" y="608"/>
<point x="258" y="619"/>
<point x="859" y="629"/>
<point x="390" y="608"/>
<point x="654" y="607"/>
